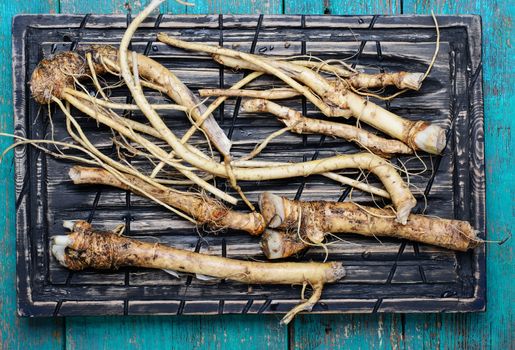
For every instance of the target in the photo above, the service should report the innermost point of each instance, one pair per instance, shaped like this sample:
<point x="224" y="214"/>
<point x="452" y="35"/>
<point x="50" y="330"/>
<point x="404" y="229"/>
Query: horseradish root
<point x="295" y="224"/>
<point x="344" y="180"/>
<point x="271" y="94"/>
<point x="401" y="197"/>
<point x="359" y="80"/>
<point x="264" y="65"/>
<point x="417" y="134"/>
<point x="401" y="80"/>
<point x="53" y="75"/>
<point x="302" y="125"/>
<point x="77" y="68"/>
<point x="85" y="248"/>
<point x="203" y="209"/>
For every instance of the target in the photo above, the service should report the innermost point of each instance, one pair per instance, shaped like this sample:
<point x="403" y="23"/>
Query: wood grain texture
<point x="16" y="333"/>
<point x="234" y="7"/>
<point x="343" y="7"/>
<point x="495" y="328"/>
<point x="175" y="333"/>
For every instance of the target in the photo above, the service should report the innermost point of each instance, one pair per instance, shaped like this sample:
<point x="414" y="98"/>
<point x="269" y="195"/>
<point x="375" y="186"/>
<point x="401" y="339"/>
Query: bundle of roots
<point x="288" y="227"/>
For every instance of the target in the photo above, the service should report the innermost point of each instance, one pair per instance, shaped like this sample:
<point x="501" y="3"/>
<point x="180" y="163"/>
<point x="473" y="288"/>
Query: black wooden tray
<point x="385" y="276"/>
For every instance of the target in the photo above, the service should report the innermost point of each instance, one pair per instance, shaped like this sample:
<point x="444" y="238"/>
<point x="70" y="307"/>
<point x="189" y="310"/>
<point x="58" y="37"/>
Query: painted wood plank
<point x="293" y="7"/>
<point x="347" y="332"/>
<point x="171" y="6"/>
<point x="495" y="328"/>
<point x="183" y="332"/>
<point x="116" y="6"/>
<point x="342" y="7"/>
<point x="234" y="7"/>
<point x="213" y="332"/>
<point x="15" y="332"/>
<point x="502" y="225"/>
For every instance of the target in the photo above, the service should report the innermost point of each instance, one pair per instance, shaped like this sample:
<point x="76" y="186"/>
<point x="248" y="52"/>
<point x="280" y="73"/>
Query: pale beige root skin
<point x="318" y="218"/>
<point x="53" y="75"/>
<point x="302" y="125"/>
<point x="156" y="73"/>
<point x="401" y="80"/>
<point x="333" y="176"/>
<point x="203" y="209"/>
<point x="122" y="106"/>
<point x="94" y="112"/>
<point x="212" y="107"/>
<point x="417" y="134"/>
<point x="277" y="244"/>
<point x="270" y="94"/>
<point x="87" y="248"/>
<point x="400" y="194"/>
<point x="286" y="71"/>
<point x="401" y="197"/>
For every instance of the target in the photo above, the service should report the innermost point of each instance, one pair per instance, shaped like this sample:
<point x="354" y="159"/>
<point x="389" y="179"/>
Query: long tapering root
<point x="204" y="209"/>
<point x="53" y="75"/>
<point x="302" y="125"/>
<point x="333" y="102"/>
<point x="362" y="161"/>
<point x="294" y="225"/>
<point x="271" y="94"/>
<point x="87" y="248"/>
<point x="401" y="80"/>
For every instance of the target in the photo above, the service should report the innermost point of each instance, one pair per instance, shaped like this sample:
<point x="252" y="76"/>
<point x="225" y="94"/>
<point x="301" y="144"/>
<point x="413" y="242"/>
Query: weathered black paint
<point x="395" y="276"/>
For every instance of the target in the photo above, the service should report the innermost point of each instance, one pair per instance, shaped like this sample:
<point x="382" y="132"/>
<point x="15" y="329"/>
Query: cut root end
<point x="305" y="223"/>
<point x="431" y="139"/>
<point x="86" y="248"/>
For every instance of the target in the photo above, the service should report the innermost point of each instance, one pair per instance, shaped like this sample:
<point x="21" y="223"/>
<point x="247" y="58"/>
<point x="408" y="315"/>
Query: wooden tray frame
<point x="38" y="296"/>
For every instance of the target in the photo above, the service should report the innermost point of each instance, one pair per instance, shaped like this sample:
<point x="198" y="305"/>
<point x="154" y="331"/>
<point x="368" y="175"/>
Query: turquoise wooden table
<point x="493" y="329"/>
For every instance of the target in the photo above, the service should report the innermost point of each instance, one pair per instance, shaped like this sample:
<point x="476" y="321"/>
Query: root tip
<point x="54" y="74"/>
<point x="69" y="224"/>
<point x="404" y="211"/>
<point x="74" y="174"/>
<point x="338" y="271"/>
